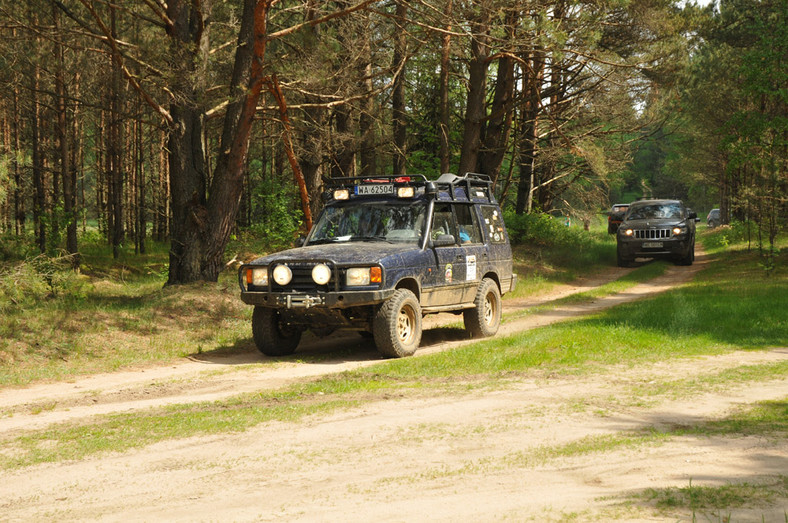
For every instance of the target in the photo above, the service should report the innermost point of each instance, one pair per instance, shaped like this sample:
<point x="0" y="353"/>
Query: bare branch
<point x="117" y="56"/>
<point x="322" y="19"/>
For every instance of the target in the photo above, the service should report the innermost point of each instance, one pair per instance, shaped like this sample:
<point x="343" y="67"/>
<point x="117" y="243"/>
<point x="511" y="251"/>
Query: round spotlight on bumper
<point x="282" y="275"/>
<point x="321" y="274"/>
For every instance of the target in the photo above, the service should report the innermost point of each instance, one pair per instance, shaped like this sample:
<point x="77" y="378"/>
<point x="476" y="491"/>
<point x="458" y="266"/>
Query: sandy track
<point x="211" y="378"/>
<point x="477" y="456"/>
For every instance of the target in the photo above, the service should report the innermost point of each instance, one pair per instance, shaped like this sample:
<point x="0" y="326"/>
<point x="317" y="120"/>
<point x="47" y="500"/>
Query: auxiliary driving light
<point x="321" y="273"/>
<point x="282" y="275"/>
<point x="406" y="192"/>
<point x="341" y="194"/>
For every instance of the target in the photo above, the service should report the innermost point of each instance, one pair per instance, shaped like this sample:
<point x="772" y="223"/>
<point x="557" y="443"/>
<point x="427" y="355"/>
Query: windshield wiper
<point x="370" y="239"/>
<point x="320" y="241"/>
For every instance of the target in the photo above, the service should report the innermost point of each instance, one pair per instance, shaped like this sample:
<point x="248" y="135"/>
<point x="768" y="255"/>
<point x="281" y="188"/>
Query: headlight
<point x="321" y="274"/>
<point x="257" y="276"/>
<point x="360" y="276"/>
<point x="628" y="232"/>
<point x="677" y="231"/>
<point x="282" y="275"/>
<point x="357" y="276"/>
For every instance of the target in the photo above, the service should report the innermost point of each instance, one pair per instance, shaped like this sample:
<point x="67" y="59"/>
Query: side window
<point x="493" y="225"/>
<point x="442" y="221"/>
<point x="468" y="224"/>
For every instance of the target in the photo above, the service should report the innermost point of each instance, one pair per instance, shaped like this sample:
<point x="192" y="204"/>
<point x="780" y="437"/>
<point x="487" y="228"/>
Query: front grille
<point x="302" y="280"/>
<point x="652" y="234"/>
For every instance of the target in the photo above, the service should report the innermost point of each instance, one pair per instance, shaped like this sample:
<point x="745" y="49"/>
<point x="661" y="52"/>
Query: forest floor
<point x="479" y="455"/>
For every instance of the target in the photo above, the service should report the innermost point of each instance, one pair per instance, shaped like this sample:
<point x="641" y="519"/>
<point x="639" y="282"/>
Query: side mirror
<point x="444" y="240"/>
<point x="300" y="241"/>
<point x="693" y="216"/>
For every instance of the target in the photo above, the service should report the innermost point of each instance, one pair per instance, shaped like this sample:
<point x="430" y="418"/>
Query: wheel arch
<point x="494" y="277"/>
<point x="410" y="284"/>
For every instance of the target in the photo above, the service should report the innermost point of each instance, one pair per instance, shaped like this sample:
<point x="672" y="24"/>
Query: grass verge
<point x="712" y="315"/>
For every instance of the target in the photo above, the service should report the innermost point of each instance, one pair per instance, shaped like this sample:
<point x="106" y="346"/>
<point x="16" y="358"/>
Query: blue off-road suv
<point x="383" y="253"/>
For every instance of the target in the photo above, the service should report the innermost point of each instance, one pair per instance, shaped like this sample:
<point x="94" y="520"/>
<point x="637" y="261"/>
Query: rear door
<point x="446" y="283"/>
<point x="474" y="251"/>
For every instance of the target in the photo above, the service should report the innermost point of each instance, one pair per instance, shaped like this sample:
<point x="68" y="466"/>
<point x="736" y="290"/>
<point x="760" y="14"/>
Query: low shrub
<point x="571" y="247"/>
<point x="25" y="283"/>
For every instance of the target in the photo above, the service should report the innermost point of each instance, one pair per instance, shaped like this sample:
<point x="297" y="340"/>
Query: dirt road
<point x="488" y="456"/>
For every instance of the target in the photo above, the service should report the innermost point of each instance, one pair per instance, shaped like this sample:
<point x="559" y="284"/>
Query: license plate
<point x="374" y="189"/>
<point x="652" y="245"/>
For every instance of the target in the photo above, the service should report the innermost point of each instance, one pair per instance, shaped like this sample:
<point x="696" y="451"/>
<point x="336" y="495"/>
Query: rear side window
<point x="468" y="223"/>
<point x="493" y="225"/>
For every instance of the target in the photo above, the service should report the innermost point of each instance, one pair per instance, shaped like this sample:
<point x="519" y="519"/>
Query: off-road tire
<point x="622" y="261"/>
<point x="484" y="319"/>
<point x="271" y="335"/>
<point x="397" y="325"/>
<point x="689" y="258"/>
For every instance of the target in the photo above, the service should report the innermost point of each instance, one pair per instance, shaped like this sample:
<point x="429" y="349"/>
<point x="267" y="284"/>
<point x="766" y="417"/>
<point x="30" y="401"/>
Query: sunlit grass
<point x="720" y="498"/>
<point x="116" y="314"/>
<point x="699" y="318"/>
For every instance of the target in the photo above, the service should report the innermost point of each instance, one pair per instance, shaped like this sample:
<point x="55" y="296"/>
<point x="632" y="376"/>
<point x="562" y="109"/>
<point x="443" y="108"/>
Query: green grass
<point x="726" y="308"/>
<point x="125" y="317"/>
<point x="122" y="432"/>
<point x="55" y="324"/>
<point x="724" y="497"/>
<point x="643" y="273"/>
<point x="115" y="314"/>
<point x="641" y="394"/>
<point x="767" y="418"/>
<point x="711" y="315"/>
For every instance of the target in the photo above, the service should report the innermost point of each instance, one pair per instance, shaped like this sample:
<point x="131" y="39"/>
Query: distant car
<point x="615" y="216"/>
<point x="713" y="218"/>
<point x="657" y="229"/>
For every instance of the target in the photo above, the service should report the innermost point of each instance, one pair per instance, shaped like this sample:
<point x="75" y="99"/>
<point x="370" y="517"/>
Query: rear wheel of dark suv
<point x="484" y="319"/>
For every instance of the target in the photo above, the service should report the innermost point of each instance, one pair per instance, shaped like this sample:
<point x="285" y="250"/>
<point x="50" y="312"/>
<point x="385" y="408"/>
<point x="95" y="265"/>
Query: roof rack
<point x="416" y="179"/>
<point x="472" y="187"/>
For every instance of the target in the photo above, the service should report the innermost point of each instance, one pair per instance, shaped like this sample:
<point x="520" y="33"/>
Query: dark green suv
<point x="383" y="253"/>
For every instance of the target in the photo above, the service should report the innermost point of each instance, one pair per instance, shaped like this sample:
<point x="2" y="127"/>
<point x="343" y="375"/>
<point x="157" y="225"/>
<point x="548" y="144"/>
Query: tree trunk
<point x="142" y="219"/>
<point x="115" y="152"/>
<point x="496" y="136"/>
<point x="443" y="94"/>
<point x="366" y="124"/>
<point x="532" y="93"/>
<point x="39" y="198"/>
<point x="66" y="170"/>
<point x="475" y="110"/>
<point x="399" y="124"/>
<point x="201" y="228"/>
<point x="184" y="146"/>
<point x="19" y="200"/>
<point x="343" y="153"/>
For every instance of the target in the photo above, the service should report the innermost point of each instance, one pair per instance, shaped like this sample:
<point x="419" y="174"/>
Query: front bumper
<point x="307" y="300"/>
<point x="636" y="247"/>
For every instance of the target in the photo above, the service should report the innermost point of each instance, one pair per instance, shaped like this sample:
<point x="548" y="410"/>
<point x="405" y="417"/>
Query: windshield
<point x="391" y="222"/>
<point x="657" y="211"/>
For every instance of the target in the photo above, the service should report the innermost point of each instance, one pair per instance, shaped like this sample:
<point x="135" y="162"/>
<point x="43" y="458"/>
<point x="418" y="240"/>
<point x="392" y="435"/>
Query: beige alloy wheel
<point x="484" y="319"/>
<point x="397" y="325"/>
